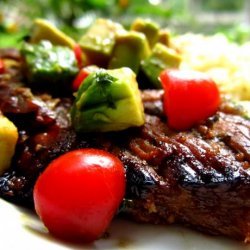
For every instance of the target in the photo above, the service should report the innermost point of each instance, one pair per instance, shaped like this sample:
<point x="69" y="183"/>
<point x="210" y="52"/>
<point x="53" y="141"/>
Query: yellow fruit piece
<point x="8" y="140"/>
<point x="44" y="30"/>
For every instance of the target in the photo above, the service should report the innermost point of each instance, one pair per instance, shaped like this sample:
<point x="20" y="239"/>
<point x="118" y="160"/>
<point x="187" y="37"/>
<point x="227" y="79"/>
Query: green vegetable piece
<point x="149" y="28"/>
<point x="108" y="100"/>
<point x="44" y="30"/>
<point x="99" y="41"/>
<point x="8" y="140"/>
<point x="164" y="37"/>
<point x="130" y="48"/>
<point x="161" y="58"/>
<point x="49" y="67"/>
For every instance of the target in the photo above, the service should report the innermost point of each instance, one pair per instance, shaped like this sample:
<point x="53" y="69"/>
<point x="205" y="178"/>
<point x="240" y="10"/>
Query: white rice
<point x="227" y="63"/>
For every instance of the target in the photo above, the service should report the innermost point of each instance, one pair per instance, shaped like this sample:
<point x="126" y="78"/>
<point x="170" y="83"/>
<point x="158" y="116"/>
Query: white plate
<point x="21" y="229"/>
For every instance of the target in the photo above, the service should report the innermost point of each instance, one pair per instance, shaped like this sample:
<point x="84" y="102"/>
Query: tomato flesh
<point x="78" y="194"/>
<point x="189" y="97"/>
<point x="84" y="72"/>
<point x="78" y="55"/>
<point x="2" y="69"/>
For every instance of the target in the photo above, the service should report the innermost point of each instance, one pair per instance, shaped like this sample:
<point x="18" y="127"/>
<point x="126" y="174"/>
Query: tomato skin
<point x="2" y="69"/>
<point x="84" y="72"/>
<point x="78" y="194"/>
<point x="78" y="55"/>
<point x="189" y="97"/>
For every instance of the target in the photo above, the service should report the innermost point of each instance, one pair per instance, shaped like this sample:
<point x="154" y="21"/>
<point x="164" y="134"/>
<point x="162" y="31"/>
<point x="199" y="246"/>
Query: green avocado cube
<point x="130" y="48"/>
<point x="164" y="37"/>
<point x="162" y="57"/>
<point x="44" y="30"/>
<point x="108" y="100"/>
<point x="149" y="28"/>
<point x="98" y="42"/>
<point x="49" y="67"/>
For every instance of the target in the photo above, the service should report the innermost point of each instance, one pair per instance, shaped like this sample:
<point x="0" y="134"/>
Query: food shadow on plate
<point x="127" y="235"/>
<point x="168" y="237"/>
<point x="33" y="225"/>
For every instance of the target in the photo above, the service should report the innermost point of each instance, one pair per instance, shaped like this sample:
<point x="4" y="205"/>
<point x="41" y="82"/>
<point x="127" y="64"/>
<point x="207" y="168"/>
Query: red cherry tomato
<point x="2" y="69"/>
<point x="78" y="55"/>
<point x="78" y="194"/>
<point x="189" y="98"/>
<point x="84" y="72"/>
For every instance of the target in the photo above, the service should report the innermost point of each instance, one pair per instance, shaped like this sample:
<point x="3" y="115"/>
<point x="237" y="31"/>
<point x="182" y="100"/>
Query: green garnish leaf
<point x="103" y="80"/>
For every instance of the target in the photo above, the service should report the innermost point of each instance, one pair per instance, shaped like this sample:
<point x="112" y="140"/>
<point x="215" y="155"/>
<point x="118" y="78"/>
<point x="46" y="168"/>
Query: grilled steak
<point x="199" y="178"/>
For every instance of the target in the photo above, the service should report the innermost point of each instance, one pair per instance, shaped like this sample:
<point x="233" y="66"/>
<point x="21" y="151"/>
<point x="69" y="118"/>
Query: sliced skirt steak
<point x="199" y="178"/>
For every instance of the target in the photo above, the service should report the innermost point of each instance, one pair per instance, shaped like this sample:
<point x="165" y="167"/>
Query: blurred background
<point x="230" y="17"/>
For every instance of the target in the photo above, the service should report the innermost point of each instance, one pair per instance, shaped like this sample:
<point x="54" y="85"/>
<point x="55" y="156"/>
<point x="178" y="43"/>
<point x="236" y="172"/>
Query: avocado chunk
<point x="130" y="48"/>
<point x="161" y="58"/>
<point x="108" y="100"/>
<point x="8" y="140"/>
<point x="44" y="30"/>
<point x="49" y="67"/>
<point x="98" y="42"/>
<point x="164" y="37"/>
<point x="149" y="28"/>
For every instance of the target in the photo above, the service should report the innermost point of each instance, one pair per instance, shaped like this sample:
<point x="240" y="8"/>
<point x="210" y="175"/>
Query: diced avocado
<point x="161" y="58"/>
<point x="49" y="67"/>
<point x="130" y="48"/>
<point x="164" y="37"/>
<point x="149" y="28"/>
<point x="99" y="41"/>
<point x="8" y="140"/>
<point x="44" y="30"/>
<point x="108" y="100"/>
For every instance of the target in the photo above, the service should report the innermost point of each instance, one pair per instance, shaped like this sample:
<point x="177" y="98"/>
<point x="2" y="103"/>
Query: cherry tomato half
<point x="189" y="97"/>
<point x="79" y="193"/>
<point x="78" y="55"/>
<point x="2" y="69"/>
<point x="80" y="78"/>
<point x="84" y="72"/>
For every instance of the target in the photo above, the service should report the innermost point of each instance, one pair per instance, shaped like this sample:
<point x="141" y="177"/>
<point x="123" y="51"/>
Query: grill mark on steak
<point x="237" y="133"/>
<point x="198" y="177"/>
<point x="214" y="167"/>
